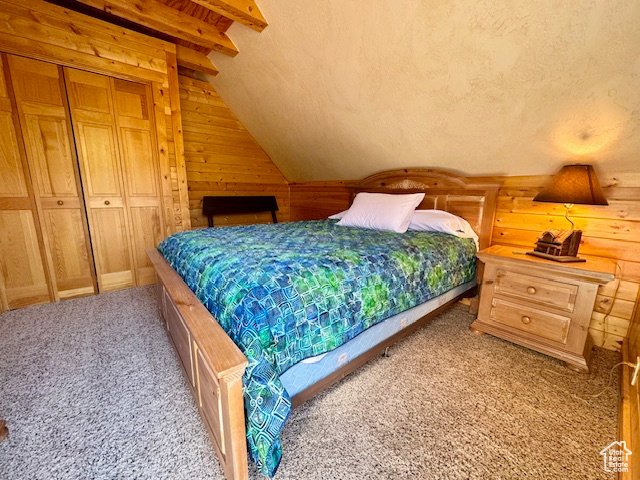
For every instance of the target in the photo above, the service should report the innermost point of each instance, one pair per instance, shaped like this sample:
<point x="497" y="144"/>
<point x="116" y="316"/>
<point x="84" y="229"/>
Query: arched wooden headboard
<point x="475" y="201"/>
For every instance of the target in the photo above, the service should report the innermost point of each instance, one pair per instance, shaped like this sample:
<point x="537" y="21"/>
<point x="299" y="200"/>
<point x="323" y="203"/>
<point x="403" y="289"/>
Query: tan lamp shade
<point x="574" y="184"/>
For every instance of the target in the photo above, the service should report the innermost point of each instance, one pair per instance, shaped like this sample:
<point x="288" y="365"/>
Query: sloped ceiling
<point x="338" y="89"/>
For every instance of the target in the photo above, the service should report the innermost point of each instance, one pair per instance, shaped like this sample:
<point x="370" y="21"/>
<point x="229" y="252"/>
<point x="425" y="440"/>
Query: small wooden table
<point x="540" y="304"/>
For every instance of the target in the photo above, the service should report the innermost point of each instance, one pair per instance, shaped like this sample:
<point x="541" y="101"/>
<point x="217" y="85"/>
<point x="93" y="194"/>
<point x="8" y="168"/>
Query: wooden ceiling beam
<point x="242" y="11"/>
<point x="194" y="60"/>
<point x="158" y="16"/>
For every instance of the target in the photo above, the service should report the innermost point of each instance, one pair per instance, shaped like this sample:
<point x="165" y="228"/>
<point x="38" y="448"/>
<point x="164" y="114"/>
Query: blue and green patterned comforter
<point x="290" y="291"/>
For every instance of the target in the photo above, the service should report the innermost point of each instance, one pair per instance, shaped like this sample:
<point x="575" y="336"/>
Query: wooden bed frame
<point x="214" y="365"/>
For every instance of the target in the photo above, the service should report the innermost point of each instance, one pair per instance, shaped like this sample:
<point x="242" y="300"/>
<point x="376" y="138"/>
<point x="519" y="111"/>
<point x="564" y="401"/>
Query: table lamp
<point x="572" y="184"/>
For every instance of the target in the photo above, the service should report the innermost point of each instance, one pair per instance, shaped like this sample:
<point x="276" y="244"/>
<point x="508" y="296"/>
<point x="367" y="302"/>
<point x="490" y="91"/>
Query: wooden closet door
<point x="42" y="105"/>
<point x="92" y="113"/>
<point x="141" y="173"/>
<point x="23" y="275"/>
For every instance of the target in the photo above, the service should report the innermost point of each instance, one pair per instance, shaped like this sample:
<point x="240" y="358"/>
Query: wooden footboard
<point x="212" y="364"/>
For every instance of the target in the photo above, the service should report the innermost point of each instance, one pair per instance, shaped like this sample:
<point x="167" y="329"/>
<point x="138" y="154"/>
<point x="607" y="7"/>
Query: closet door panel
<point x="12" y="180"/>
<point x="24" y="278"/>
<point x="140" y="165"/>
<point x="50" y="152"/>
<point x="92" y="112"/>
<point x="90" y="93"/>
<point x="143" y="197"/>
<point x="36" y="81"/>
<point x="23" y="274"/>
<point x="41" y="103"/>
<point x="147" y="228"/>
<point x="110" y="236"/>
<point x="71" y="262"/>
<point x="100" y="170"/>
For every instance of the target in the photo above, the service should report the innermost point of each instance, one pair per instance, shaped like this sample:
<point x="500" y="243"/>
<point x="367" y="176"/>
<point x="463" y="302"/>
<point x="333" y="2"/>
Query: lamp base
<point x="561" y="258"/>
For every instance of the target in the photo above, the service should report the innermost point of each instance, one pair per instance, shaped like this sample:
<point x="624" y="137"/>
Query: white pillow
<point x="339" y="215"/>
<point x="441" y="221"/>
<point x="382" y="211"/>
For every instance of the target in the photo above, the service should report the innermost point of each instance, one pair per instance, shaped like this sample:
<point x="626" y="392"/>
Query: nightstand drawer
<point x="541" y="324"/>
<point x="536" y="289"/>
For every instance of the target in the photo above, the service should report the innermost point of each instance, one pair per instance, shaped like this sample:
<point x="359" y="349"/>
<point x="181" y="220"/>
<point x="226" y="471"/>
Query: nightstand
<point x="540" y="304"/>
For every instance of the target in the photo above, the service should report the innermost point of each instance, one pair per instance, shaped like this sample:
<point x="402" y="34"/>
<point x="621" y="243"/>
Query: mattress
<point x="309" y="371"/>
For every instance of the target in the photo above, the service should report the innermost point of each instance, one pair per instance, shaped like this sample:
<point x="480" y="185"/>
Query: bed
<point x="214" y="365"/>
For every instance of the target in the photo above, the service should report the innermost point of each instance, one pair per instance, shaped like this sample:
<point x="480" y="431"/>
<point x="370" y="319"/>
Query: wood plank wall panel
<point x="223" y="159"/>
<point x="611" y="232"/>
<point x="318" y="200"/>
<point x="48" y="32"/>
<point x="181" y="197"/>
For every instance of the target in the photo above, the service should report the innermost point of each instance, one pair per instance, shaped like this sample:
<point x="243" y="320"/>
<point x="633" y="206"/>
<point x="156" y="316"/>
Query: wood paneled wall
<point x="318" y="200"/>
<point x="610" y="232"/>
<point x="223" y="159"/>
<point x="40" y="30"/>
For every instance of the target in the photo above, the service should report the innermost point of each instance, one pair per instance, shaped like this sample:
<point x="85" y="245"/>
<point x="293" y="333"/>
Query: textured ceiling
<point x="338" y="90"/>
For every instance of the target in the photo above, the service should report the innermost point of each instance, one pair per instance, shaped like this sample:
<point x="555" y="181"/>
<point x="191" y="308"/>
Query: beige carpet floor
<point x="90" y="388"/>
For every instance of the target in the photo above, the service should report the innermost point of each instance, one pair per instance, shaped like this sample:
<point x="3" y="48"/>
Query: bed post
<point x="235" y="465"/>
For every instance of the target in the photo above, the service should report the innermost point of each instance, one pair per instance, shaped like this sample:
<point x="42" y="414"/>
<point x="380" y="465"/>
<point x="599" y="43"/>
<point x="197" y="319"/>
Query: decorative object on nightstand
<point x="540" y="304"/>
<point x="572" y="184"/>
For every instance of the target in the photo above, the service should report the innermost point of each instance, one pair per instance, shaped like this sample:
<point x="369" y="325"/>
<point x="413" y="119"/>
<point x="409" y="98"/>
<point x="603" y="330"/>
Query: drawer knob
<point x="107" y="202"/>
<point x="60" y="202"/>
<point x="531" y="290"/>
<point x="526" y="320"/>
